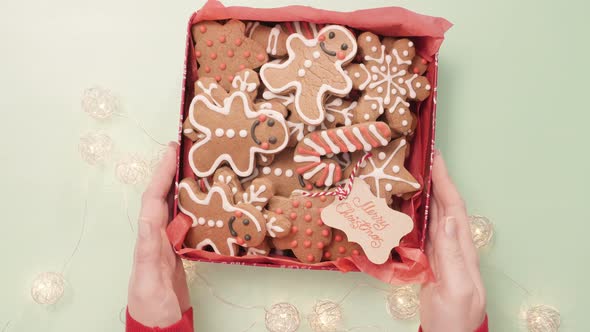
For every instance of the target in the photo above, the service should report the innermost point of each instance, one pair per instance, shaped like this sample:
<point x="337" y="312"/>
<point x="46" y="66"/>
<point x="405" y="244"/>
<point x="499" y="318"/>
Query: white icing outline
<point x="225" y="110"/>
<point x="271" y="227"/>
<point x="297" y="84"/>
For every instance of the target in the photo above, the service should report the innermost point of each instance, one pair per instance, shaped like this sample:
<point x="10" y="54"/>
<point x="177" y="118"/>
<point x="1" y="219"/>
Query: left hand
<point x="158" y="293"/>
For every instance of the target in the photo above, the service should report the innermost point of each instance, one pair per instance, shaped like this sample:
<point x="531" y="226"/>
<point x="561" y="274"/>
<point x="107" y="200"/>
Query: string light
<point x="542" y="318"/>
<point x="95" y="147"/>
<point x="482" y="230"/>
<point x="132" y="170"/>
<point x="326" y="316"/>
<point x="48" y="288"/>
<point x="282" y="317"/>
<point x="99" y="103"/>
<point x="403" y="303"/>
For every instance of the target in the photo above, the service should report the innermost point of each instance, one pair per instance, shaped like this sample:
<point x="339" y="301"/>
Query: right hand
<point x="455" y="301"/>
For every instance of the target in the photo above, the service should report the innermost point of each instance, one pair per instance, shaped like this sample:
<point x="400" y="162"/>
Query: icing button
<point x="238" y="41"/>
<point x="341" y="249"/>
<point x="294" y="229"/>
<point x="230" y="53"/>
<point x="230" y="78"/>
<point x="279" y="211"/>
<point x="310" y="258"/>
<point x="327" y="254"/>
<point x="198" y="54"/>
<point x="295" y="204"/>
<point x="356" y="252"/>
<point x="293" y="215"/>
<point x="294" y="244"/>
<point x="246" y="54"/>
<point x="222" y="39"/>
<point x="203" y="29"/>
<point x="320" y="222"/>
<point x="238" y="214"/>
<point x="242" y="67"/>
<point x="218" y="78"/>
<point x="320" y="245"/>
<point x="209" y="43"/>
<point x="338" y="238"/>
<point x="325" y="233"/>
<point x="213" y="56"/>
<point x="260" y="57"/>
<point x="307" y="244"/>
<point x="307" y="218"/>
<point x="323" y="198"/>
<point x="222" y="66"/>
<point x="308" y="204"/>
<point x="308" y="232"/>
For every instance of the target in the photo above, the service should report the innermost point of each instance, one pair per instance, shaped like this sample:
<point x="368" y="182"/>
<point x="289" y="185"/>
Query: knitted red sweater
<point x="185" y="324"/>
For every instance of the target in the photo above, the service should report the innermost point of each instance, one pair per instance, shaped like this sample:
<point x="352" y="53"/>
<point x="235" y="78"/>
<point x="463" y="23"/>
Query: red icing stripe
<point x="289" y="27"/>
<point x="352" y="139"/>
<point x="307" y="30"/>
<point x="306" y="168"/>
<point x="337" y="174"/>
<point x="337" y="141"/>
<point x="319" y="141"/>
<point x="307" y="152"/>
<point x="384" y="129"/>
<point x="368" y="137"/>
<point x="322" y="180"/>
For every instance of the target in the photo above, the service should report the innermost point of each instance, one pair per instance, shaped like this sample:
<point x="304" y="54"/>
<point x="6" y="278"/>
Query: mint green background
<point x="513" y="119"/>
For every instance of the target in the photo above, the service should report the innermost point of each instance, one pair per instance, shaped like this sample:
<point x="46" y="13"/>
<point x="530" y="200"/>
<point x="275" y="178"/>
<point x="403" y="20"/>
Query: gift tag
<point x="368" y="221"/>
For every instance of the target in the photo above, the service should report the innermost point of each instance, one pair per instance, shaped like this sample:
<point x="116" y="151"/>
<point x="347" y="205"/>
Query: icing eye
<point x="270" y="122"/>
<point x="272" y="140"/>
<point x="247" y="237"/>
<point x="246" y="222"/>
<point x="331" y="35"/>
<point x="344" y="47"/>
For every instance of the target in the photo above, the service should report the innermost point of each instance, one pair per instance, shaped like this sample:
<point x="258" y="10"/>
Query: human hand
<point x="158" y="293"/>
<point x="455" y="301"/>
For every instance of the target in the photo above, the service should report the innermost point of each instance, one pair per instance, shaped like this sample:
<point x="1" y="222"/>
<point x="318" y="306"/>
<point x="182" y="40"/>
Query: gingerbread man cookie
<point x="311" y="151"/>
<point x="385" y="79"/>
<point x="385" y="173"/>
<point x="233" y="134"/>
<point x="275" y="39"/>
<point x="257" y="194"/>
<point x="217" y="221"/>
<point x="223" y="50"/>
<point x="309" y="236"/>
<point x="341" y="247"/>
<point x="313" y="69"/>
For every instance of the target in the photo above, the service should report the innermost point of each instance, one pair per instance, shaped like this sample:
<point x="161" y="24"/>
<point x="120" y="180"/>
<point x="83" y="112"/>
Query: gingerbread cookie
<point x="275" y="39"/>
<point x="384" y="171"/>
<point x="341" y="247"/>
<point x="223" y="50"/>
<point x="257" y="194"/>
<point x="313" y="69"/>
<point x="310" y="151"/>
<point x="309" y="236"/>
<point x="217" y="221"/>
<point x="260" y="250"/>
<point x="339" y="112"/>
<point x="234" y="134"/>
<point x="386" y="82"/>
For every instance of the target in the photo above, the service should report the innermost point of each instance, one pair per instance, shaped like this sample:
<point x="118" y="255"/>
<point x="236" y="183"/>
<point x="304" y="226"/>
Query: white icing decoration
<point x="219" y="132"/>
<point x="255" y="252"/>
<point x="243" y="133"/>
<point x="349" y="146"/>
<point x="418" y="85"/>
<point x="405" y="53"/>
<point x="201" y="221"/>
<point x="188" y="131"/>
<point x="271" y="228"/>
<point x="368" y="39"/>
<point x="377" y="134"/>
<point x="285" y="100"/>
<point x="278" y="171"/>
<point x="301" y="72"/>
<point x="357" y="74"/>
<point x="402" y="111"/>
<point x="331" y="145"/>
<point x="266" y="170"/>
<point x="374" y="106"/>
<point x="388" y="187"/>
<point x="253" y="195"/>
<point x="314" y="146"/>
<point x="308" y="175"/>
<point x="410" y="44"/>
<point x="242" y="83"/>
<point x="382" y="155"/>
<point x="317" y="114"/>
<point x="273" y="36"/>
<point x="330" y="178"/>
<point x="357" y="133"/>
<point x="225" y="111"/>
<point x="367" y="117"/>
<point x="230" y="133"/>
<point x="404" y="123"/>
<point x="374" y="49"/>
<point x="382" y="68"/>
<point x="427" y="87"/>
<point x="332" y="107"/>
<point x="208" y="91"/>
<point x="307" y="63"/>
<point x="396" y="169"/>
<point x="211" y="223"/>
<point x="380" y="89"/>
<point x="219" y="224"/>
<point x="289" y="173"/>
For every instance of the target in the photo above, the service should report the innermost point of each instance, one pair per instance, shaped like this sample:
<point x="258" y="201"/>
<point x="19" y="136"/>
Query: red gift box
<point x="408" y="263"/>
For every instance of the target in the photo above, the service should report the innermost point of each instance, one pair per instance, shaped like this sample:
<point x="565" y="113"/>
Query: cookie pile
<point x="277" y="112"/>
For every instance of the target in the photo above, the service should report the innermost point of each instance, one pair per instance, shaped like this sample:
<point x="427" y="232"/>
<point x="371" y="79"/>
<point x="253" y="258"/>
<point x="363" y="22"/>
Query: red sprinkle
<point x="230" y="53"/>
<point x="279" y="211"/>
<point x="207" y="69"/>
<point x="242" y="67"/>
<point x="222" y="66"/>
<point x="294" y="244"/>
<point x="338" y="238"/>
<point x="246" y="54"/>
<point x="222" y="39"/>
<point x="325" y="233"/>
<point x="320" y="245"/>
<point x="309" y="186"/>
<point x="307" y="244"/>
<point x="416" y="70"/>
<point x="424" y="61"/>
<point x="356" y="252"/>
<point x="294" y="229"/>
<point x="327" y="254"/>
<point x="260" y="57"/>
<point x="203" y="28"/>
<point x="238" y="41"/>
<point x="293" y="215"/>
<point x="198" y="54"/>
<point x="238" y="214"/>
<point x="265" y="145"/>
<point x="322" y="38"/>
<point x="320" y="222"/>
<point x="218" y="78"/>
<point x="230" y="78"/>
<point x="341" y="55"/>
<point x="209" y="43"/>
<point x="341" y="249"/>
<point x="295" y="204"/>
<point x="323" y="198"/>
<point x="213" y="56"/>
<point x="307" y="218"/>
<point x="308" y="204"/>
<point x="239" y="240"/>
<point x="308" y="232"/>
<point x="310" y="258"/>
<point x="262" y="118"/>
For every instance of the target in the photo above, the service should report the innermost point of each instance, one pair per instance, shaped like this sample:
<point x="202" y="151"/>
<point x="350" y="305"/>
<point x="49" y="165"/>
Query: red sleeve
<point x="185" y="324"/>
<point x="482" y="328"/>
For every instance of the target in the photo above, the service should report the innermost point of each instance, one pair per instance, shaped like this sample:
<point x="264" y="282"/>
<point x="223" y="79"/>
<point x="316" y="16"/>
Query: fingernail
<point x="144" y="229"/>
<point x="450" y="227"/>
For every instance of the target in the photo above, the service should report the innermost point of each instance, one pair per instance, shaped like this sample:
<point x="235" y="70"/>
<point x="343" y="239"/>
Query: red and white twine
<point x="343" y="190"/>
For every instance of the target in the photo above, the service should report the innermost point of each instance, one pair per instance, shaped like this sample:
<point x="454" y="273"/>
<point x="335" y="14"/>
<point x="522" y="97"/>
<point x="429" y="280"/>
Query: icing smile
<point x="327" y="51"/>
<point x="253" y="132"/>
<point x="230" y="224"/>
